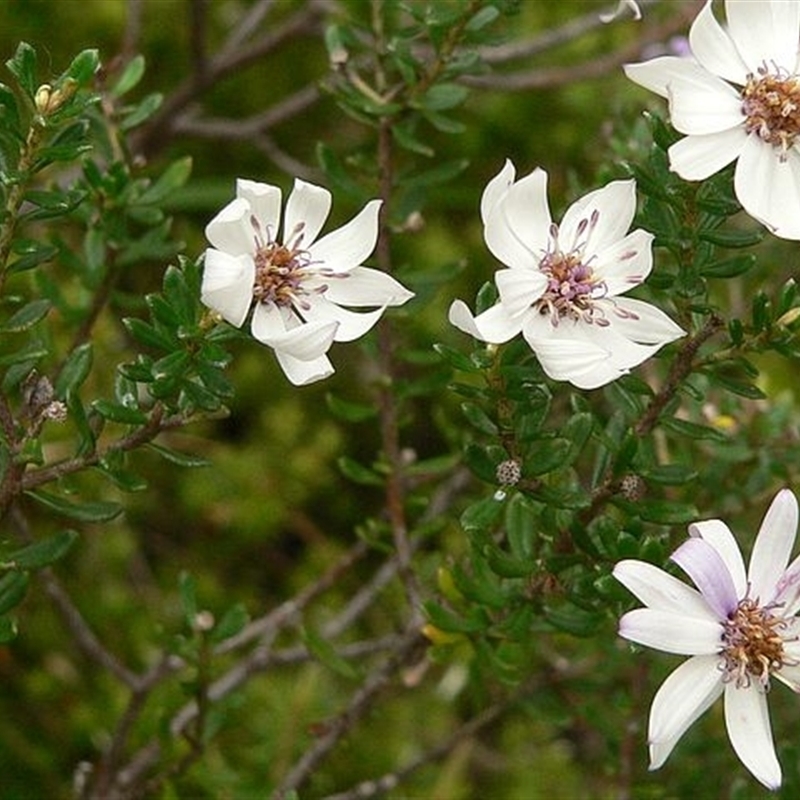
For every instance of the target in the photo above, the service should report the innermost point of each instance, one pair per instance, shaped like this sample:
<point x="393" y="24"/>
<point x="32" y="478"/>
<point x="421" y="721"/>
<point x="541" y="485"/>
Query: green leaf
<point x="13" y="586"/>
<point x="729" y="267"/>
<point x="669" y="474"/>
<point x="666" y="512"/>
<point x="348" y="410"/>
<point x="481" y="515"/>
<point x="130" y="77"/>
<point x="27" y="316"/>
<point x="484" y="17"/>
<point x="407" y="139"/>
<point x="8" y="630"/>
<point x="9" y="113"/>
<point x="455" y="358"/>
<point x="571" y="619"/>
<point x="358" y="473"/>
<point x="232" y="622"/>
<point x="339" y="176"/>
<point x="83" y="68"/>
<point x="733" y="239"/>
<point x="98" y="511"/>
<point x="478" y="418"/>
<point x="447" y="621"/>
<point x="142" y="112"/>
<point x="75" y="370"/>
<point x="23" y="67"/>
<point x="482" y="462"/>
<point x="175" y="176"/>
<point x="30" y="254"/>
<point x="326" y="654"/>
<point x="187" y="589"/>
<point x="146" y="334"/>
<point x="42" y="553"/>
<point x="117" y="412"/>
<point x="692" y="430"/>
<point x="547" y="455"/>
<point x="176" y="457"/>
<point x="443" y="96"/>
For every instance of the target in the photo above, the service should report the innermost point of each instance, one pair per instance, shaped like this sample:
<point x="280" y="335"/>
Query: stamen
<point x="771" y="105"/>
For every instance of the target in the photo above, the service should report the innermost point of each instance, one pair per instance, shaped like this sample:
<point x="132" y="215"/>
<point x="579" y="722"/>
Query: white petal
<point x="685" y="695"/>
<point x="772" y="547"/>
<point x="625" y="263"/>
<point x="265" y="204"/>
<point x="642" y="323"/>
<point x="228" y="285"/>
<point x="747" y="721"/>
<point x="660" y="590"/>
<point x="231" y="231"/>
<point x="765" y="32"/>
<point x="789" y="674"/>
<point x="703" y="564"/>
<point x="301" y="373"/>
<point x="614" y="205"/>
<point x="346" y="247"/>
<point x="518" y="226"/>
<point x="712" y="47"/>
<point x="307" y="209"/>
<point x="658" y="74"/>
<point x="282" y="330"/>
<point x="695" y="158"/>
<point x="768" y="187"/>
<point x="363" y="286"/>
<point x="719" y="536"/>
<point x="496" y="188"/>
<point x="705" y="104"/>
<point x="494" y="325"/>
<point x="788" y="589"/>
<point x="519" y="289"/>
<point x="351" y="324"/>
<point x="671" y="633"/>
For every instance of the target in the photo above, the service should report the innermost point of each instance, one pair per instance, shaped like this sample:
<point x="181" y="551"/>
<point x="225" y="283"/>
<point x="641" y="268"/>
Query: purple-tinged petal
<point x="660" y="590"/>
<point x="624" y="263"/>
<point x="265" y="204"/>
<point x="641" y="323"/>
<point x="346" y="247"/>
<point x="601" y="217"/>
<point x="719" y="536"/>
<point x="307" y="209"/>
<point x="702" y="563"/>
<point x="362" y="287"/>
<point x="686" y="694"/>
<point x="351" y="324"/>
<point x="747" y="721"/>
<point x="772" y="547"/>
<point x="787" y="592"/>
<point x="494" y="325"/>
<point x="672" y="633"/>
<point x="712" y="47"/>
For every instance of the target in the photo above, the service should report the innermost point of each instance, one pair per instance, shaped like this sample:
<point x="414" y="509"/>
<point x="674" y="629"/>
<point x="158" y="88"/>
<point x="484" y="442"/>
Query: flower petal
<point x="712" y="47"/>
<point x="671" y="632"/>
<point x="307" y="209"/>
<point x="351" y="324"/>
<point x="614" y="206"/>
<point x="282" y="330"/>
<point x="686" y="694"/>
<point x="494" y="325"/>
<point x="346" y="247"/>
<point x="747" y="721"/>
<point x="772" y="548"/>
<point x="719" y="536"/>
<point x="658" y="74"/>
<point x="703" y="564"/>
<point x="642" y="323"/>
<point x="765" y="32"/>
<point x="227" y="285"/>
<point x="660" y="590"/>
<point x="695" y="158"/>
<point x="625" y="263"/>
<point x="769" y="187"/>
<point x="496" y="188"/>
<point x="301" y="373"/>
<point x="519" y="289"/>
<point x="265" y="204"/>
<point x="518" y="226"/>
<point x="704" y="104"/>
<point x="362" y="286"/>
<point x="230" y="231"/>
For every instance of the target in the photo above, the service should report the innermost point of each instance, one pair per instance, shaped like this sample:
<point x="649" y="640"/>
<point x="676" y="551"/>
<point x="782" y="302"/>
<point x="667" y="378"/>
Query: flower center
<point x="281" y="269"/>
<point x="771" y="104"/>
<point x="571" y="285"/>
<point x="752" y="644"/>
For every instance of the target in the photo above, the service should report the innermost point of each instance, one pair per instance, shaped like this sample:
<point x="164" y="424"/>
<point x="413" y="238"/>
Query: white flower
<point x="740" y="630"/>
<point x="561" y="289"/>
<point x="295" y="283"/>
<point x="739" y="98"/>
